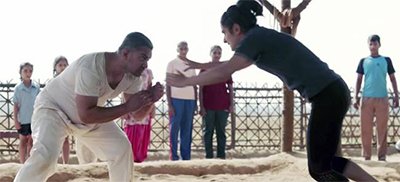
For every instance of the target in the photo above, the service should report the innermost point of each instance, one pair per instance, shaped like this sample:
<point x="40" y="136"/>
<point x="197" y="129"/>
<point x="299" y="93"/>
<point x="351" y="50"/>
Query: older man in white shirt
<point x="72" y="104"/>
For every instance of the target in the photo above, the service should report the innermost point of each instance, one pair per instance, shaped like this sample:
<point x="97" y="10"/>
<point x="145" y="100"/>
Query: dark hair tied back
<point x="250" y="6"/>
<point x="243" y="13"/>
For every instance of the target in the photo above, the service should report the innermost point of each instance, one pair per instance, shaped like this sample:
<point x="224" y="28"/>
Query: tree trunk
<point x="288" y="103"/>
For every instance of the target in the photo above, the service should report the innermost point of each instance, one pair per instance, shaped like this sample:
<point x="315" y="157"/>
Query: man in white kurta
<point x="64" y="108"/>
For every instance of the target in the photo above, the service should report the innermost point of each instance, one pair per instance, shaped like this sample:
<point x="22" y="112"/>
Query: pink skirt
<point x="139" y="136"/>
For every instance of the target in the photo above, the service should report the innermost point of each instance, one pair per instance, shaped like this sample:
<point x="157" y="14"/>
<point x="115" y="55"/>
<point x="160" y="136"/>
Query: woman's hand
<point x="192" y="64"/>
<point x="176" y="80"/>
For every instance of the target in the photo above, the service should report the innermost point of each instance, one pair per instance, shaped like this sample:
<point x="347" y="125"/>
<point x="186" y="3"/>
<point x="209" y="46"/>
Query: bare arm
<point x="156" y="92"/>
<point x="89" y="112"/>
<point x="142" y="112"/>
<point x="232" y="106"/>
<point x="171" y="110"/>
<point x="220" y="72"/>
<point x="357" y="91"/>
<point x="153" y="111"/>
<point x="395" y="90"/>
<point x="201" y="97"/>
<point x="213" y="75"/>
<point x="195" y="93"/>
<point x="195" y="98"/>
<point x="16" y="119"/>
<point x="150" y="83"/>
<point x="211" y="64"/>
<point x="202" y="109"/>
<point x="168" y="90"/>
<point x="197" y="65"/>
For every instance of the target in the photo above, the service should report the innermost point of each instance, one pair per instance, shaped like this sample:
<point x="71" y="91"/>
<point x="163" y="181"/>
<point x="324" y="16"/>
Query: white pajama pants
<point x="84" y="154"/>
<point x="49" y="129"/>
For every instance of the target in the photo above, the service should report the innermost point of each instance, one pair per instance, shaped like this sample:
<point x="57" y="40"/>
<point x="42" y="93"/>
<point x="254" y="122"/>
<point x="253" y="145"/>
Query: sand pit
<point x="241" y="166"/>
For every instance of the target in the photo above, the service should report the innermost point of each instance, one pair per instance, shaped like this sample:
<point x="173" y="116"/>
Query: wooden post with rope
<point x="288" y="19"/>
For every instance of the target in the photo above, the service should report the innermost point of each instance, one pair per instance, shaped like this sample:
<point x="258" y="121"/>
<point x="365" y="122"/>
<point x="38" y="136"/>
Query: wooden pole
<point x="289" y="27"/>
<point x="288" y="102"/>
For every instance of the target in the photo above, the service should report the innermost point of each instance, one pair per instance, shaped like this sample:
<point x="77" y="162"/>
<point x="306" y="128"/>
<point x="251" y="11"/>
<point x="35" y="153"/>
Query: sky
<point x="38" y="31"/>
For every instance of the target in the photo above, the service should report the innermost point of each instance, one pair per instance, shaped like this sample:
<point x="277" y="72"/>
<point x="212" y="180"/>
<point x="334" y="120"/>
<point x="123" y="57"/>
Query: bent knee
<point x="330" y="175"/>
<point x="123" y="146"/>
<point x="44" y="161"/>
<point x="339" y="164"/>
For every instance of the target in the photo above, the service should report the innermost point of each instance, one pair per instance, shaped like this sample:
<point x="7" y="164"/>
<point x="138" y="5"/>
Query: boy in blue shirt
<point x="375" y="97"/>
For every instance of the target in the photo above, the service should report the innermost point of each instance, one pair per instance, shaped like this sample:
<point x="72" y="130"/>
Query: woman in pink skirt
<point x="137" y="126"/>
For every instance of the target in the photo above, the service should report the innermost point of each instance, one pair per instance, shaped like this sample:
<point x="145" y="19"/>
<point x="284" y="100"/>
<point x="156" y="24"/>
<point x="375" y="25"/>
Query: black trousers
<point x="329" y="108"/>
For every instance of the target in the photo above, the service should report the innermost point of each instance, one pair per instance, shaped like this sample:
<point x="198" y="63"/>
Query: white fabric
<point x="178" y="66"/>
<point x="55" y="116"/>
<point x="50" y="127"/>
<point x="84" y="154"/>
<point x="86" y="76"/>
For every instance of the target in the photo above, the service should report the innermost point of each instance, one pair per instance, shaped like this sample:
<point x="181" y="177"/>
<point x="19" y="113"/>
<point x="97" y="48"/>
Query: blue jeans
<point x="181" y="123"/>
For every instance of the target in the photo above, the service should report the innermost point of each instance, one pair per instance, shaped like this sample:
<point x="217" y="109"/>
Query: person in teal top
<point x="24" y="97"/>
<point x="374" y="69"/>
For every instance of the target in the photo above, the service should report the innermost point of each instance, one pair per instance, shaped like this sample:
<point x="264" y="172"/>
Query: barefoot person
<point x="72" y="103"/>
<point x="301" y="70"/>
